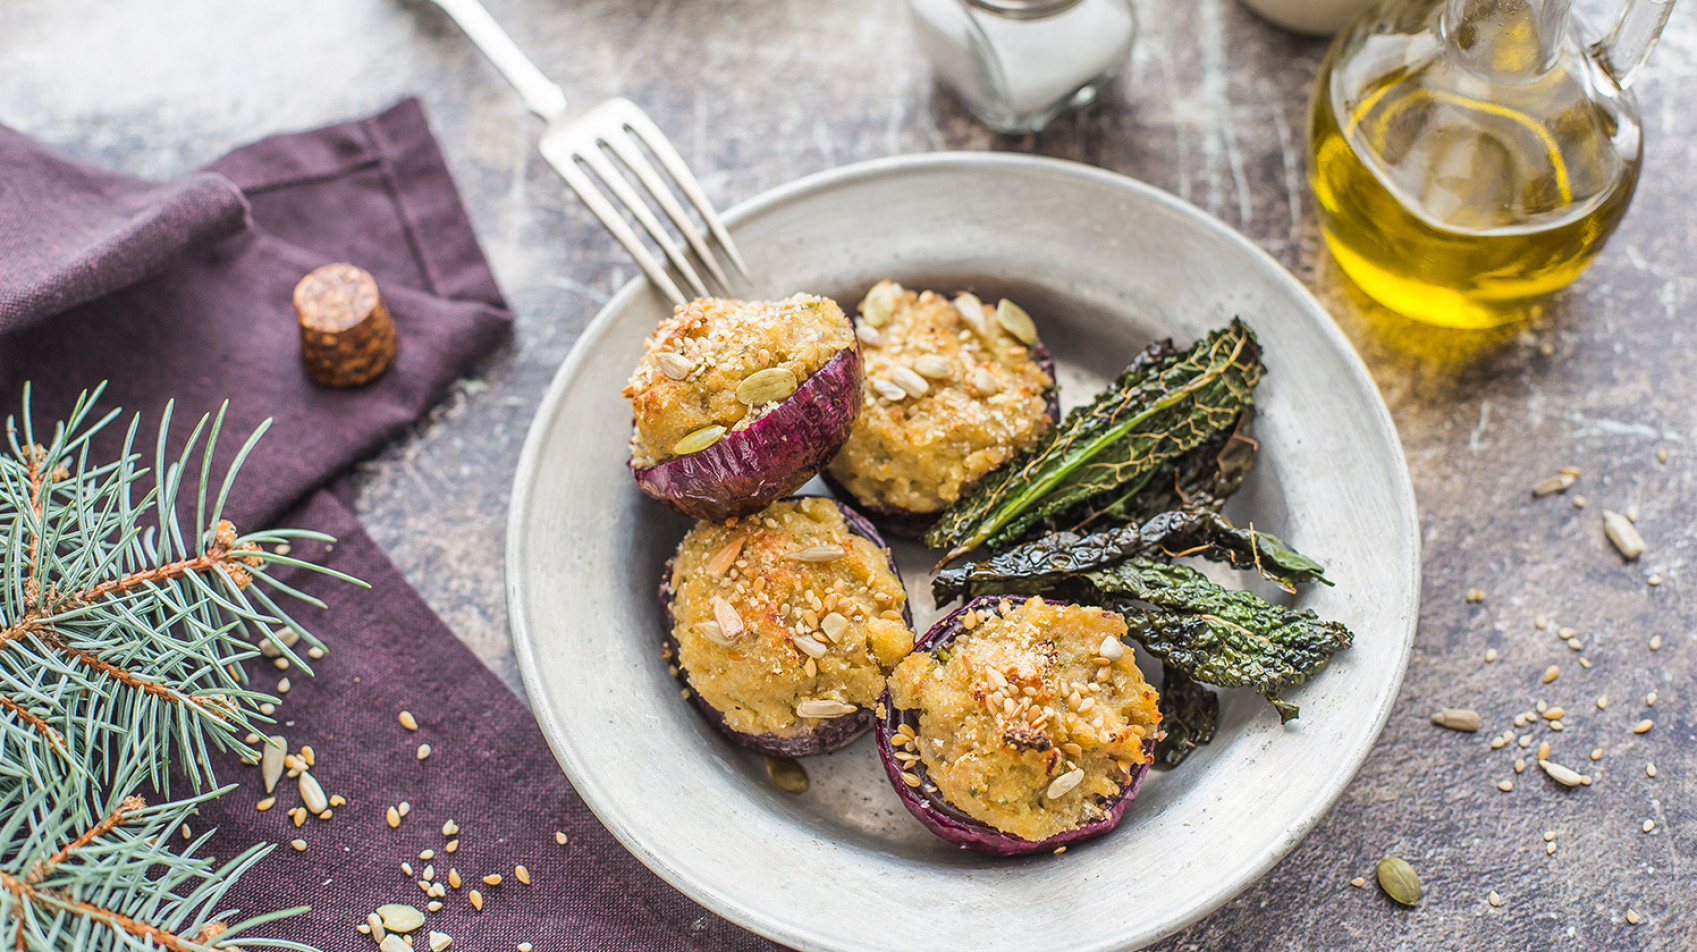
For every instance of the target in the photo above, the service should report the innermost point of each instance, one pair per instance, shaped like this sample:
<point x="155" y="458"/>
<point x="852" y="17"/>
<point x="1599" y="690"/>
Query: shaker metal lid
<point x="1024" y="9"/>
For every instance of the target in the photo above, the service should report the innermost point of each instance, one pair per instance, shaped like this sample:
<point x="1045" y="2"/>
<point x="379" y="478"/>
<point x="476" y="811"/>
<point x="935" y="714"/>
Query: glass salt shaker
<point x="1017" y="64"/>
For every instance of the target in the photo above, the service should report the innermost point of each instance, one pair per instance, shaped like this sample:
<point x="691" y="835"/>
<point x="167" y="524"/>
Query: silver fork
<point x="616" y="125"/>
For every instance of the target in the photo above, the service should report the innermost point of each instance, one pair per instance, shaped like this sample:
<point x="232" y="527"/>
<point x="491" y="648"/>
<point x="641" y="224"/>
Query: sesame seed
<point x="404" y="808"/>
<point x="1650" y="699"/>
<point x="1649" y="770"/>
<point x="1505" y="785"/>
<point x="1519" y="764"/>
<point x="394" y="817"/>
<point x="1358" y="882"/>
<point x="337" y="800"/>
<point x="315" y="652"/>
<point x="268" y="708"/>
<point x="476" y="900"/>
<point x="1541" y="622"/>
<point x="522" y="874"/>
<point x="283" y="686"/>
<point x="1649" y="825"/>
<point x="299" y="845"/>
<point x="454" y="878"/>
<point x="1059" y="850"/>
<point x="427" y="854"/>
<point x="1643" y="725"/>
<point x="298" y="815"/>
<point x="1544" y="751"/>
<point x="524" y="947"/>
<point x="363" y="928"/>
<point x="1494" y="899"/>
<point x="406" y="868"/>
<point x="434" y="905"/>
<point x="453" y="845"/>
<point x="493" y="879"/>
<point x="560" y="838"/>
<point x="423" y="751"/>
<point x="1549" y="835"/>
<point x="1597" y="753"/>
<point x="1550" y="848"/>
<point x="1602" y="701"/>
<point x="1632" y="917"/>
<point x="1655" y="642"/>
<point x="1490" y="655"/>
<point x="1551" y="673"/>
<point x="266" y="804"/>
<point x="408" y="721"/>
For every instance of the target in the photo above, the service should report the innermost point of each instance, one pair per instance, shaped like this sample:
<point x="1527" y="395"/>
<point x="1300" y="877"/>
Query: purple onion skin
<point x="750" y="468"/>
<point x="905" y="523"/>
<point x="949" y="822"/>
<point x="823" y="738"/>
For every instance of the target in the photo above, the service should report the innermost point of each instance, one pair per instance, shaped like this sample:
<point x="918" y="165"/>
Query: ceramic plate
<point x="1104" y="263"/>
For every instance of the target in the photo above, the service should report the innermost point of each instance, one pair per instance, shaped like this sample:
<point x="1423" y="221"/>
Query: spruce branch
<point x="128" y="604"/>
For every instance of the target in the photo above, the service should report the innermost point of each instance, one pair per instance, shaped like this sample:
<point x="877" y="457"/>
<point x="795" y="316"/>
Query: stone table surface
<point x="1212" y="108"/>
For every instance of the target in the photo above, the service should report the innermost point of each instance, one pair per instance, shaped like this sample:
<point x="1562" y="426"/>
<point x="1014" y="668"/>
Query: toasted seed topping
<point x="699" y="440"/>
<point x="823" y="708"/>
<point x="723" y="559"/>
<point x="911" y="382"/>
<point x="730" y="623"/>
<point x="972" y="311"/>
<point x="809" y="647"/>
<point x="1457" y="719"/>
<point x="834" y="625"/>
<point x="887" y="390"/>
<point x="1623" y="534"/>
<point x="1015" y="321"/>
<point x="910" y="779"/>
<point x="712" y="632"/>
<point x="1112" y="648"/>
<point x="934" y="366"/>
<point x="673" y="365"/>
<point x="868" y="335"/>
<point x="767" y="386"/>
<point x="1065" y="783"/>
<point x="880" y="303"/>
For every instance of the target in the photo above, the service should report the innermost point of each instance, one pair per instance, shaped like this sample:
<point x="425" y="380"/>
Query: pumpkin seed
<point x="1566" y="776"/>
<point x="1399" y="881"/>
<point x="818" y="553"/>
<point x="790" y="776"/>
<point x="400" y="917"/>
<point x="1015" y="321"/>
<point x="271" y="761"/>
<point x="699" y="440"/>
<point x="880" y="303"/>
<point x="1457" y="719"/>
<point x="312" y="794"/>
<point x="675" y="366"/>
<point x="767" y="386"/>
<point x="934" y="367"/>
<point x="712" y="632"/>
<point x="887" y="390"/>
<point x="1623" y="534"/>
<point x="823" y="708"/>
<point x="1065" y="783"/>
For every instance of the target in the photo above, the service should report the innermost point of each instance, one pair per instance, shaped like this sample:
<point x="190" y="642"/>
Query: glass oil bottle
<point x="1469" y="157"/>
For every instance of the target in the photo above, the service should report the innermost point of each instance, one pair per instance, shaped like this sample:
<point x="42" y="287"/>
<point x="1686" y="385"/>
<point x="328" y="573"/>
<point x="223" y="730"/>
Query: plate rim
<point x="525" y="480"/>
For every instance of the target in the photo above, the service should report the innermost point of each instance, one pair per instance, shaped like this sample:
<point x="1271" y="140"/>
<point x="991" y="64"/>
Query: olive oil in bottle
<point x="1465" y="167"/>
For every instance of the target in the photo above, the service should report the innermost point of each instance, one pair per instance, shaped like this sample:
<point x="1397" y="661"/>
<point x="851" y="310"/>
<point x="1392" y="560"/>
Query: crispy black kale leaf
<point x="1162" y="406"/>
<point x="1190" y="713"/>
<point x="1195" y="531"/>
<point x="1203" y="478"/>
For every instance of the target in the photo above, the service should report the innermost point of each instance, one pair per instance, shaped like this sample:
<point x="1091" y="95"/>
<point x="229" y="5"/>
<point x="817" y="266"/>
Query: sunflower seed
<point x="1559" y="483"/>
<point x="1623" y="534"/>
<point x="698" y="441"/>
<point x="440" y="941"/>
<point x="880" y="303"/>
<point x="789" y="776"/>
<point x="819" y="553"/>
<point x="1565" y="776"/>
<point x="911" y="383"/>
<point x="886" y="389"/>
<point x="400" y="917"/>
<point x="767" y="386"/>
<point x="809" y="647"/>
<point x="1399" y="881"/>
<point x="934" y="367"/>
<point x="730" y="623"/>
<point x="1457" y="719"/>
<point x="723" y="559"/>
<point x="972" y="312"/>
<point x="374" y="925"/>
<point x="823" y="708"/>
<point x="868" y="335"/>
<point x="712" y="632"/>
<point x="1065" y="783"/>
<point x="271" y="761"/>
<point x="313" y="795"/>
<point x="675" y="366"/>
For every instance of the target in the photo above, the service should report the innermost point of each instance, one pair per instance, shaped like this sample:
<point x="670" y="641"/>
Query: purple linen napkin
<point x="182" y="291"/>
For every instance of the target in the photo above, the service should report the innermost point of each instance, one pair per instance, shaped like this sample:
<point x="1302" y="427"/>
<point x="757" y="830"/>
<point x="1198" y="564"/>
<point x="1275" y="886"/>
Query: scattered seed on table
<point x="298" y="814"/>
<point x="1550" y="848"/>
<point x="1490" y="655"/>
<point x="522" y="874"/>
<point x="299" y="845"/>
<point x="1650" y="699"/>
<point x="1541" y="622"/>
<point x="454" y="877"/>
<point x="283" y="686"/>
<point x="1544" y="751"/>
<point x="1475" y="595"/>
<point x="408" y="721"/>
<point x="427" y="854"/>
<point x="476" y="900"/>
<point x="1655" y="642"/>
<point x="374" y="925"/>
<point x="524" y="947"/>
<point x="1649" y="825"/>
<point x="1525" y="740"/>
<point x="1583" y="663"/>
<point x="268" y="709"/>
<point x="403" y="808"/>
<point x="434" y="905"/>
<point x="1643" y="725"/>
<point x="1566" y="776"/>
<point x="1623" y="535"/>
<point x="281" y="664"/>
<point x="1493" y="898"/>
<point x="406" y="867"/>
<point x="1565" y="633"/>
<point x="363" y="929"/>
<point x="1579" y="502"/>
<point x="439" y="941"/>
<point x="560" y="838"/>
<point x="1505" y="786"/>
<point x="1575" y="644"/>
<point x="337" y="800"/>
<point x="1653" y="580"/>
<point x="1457" y="719"/>
<point x="429" y="874"/>
<point x="1649" y="770"/>
<point x="1519" y="764"/>
<point x="1602" y="701"/>
<point x="423" y="751"/>
<point x="451" y="847"/>
<point x="1358" y="882"/>
<point x="1557" y="726"/>
<point x="1399" y="880"/>
<point x="394" y="817"/>
<point x="266" y="804"/>
<point x="315" y="652"/>
<point x="450" y="828"/>
<point x="1597" y="753"/>
<point x="1549" y="836"/>
<point x="493" y="879"/>
<point x="1551" y="673"/>
<point x="1632" y="917"/>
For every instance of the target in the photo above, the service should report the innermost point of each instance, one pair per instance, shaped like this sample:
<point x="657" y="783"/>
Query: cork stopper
<point x="347" y="336"/>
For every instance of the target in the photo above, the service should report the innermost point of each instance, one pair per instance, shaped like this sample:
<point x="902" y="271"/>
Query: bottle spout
<point x="1623" y="52"/>
<point x="1506" y="41"/>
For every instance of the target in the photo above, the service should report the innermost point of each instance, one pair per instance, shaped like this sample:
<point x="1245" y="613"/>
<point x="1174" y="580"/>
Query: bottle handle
<point x="1623" y="52"/>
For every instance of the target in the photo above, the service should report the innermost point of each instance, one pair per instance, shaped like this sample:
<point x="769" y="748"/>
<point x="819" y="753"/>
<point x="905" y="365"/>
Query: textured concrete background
<point x="758" y="92"/>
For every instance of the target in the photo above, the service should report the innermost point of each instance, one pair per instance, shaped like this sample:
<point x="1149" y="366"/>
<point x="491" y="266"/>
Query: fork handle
<point x="542" y="95"/>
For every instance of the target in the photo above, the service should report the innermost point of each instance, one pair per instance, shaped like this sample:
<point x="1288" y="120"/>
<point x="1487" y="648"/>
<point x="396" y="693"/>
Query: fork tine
<point x="638" y="122"/>
<point x="564" y="163"/>
<point x="633" y="159"/>
<point x="592" y="156"/>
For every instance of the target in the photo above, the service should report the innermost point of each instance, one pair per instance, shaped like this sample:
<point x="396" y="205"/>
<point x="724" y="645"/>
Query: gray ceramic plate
<point x="1104" y="264"/>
